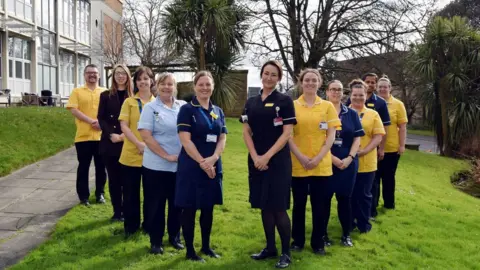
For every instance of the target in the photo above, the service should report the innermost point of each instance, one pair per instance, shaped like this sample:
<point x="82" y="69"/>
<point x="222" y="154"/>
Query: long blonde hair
<point x="129" y="84"/>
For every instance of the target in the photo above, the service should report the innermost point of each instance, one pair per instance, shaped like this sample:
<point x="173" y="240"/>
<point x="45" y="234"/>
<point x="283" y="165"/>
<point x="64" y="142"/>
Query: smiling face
<point x="358" y="96"/>
<point x="371" y="81"/>
<point x="310" y="83"/>
<point x="204" y="87"/>
<point x="384" y="89"/>
<point x="166" y="88"/>
<point x="143" y="82"/>
<point x="335" y="92"/>
<point x="91" y="75"/>
<point x="120" y="76"/>
<point x="270" y="77"/>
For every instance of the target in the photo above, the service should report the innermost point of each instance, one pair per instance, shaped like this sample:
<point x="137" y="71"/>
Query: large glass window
<point x="46" y="14"/>
<point x="82" y="63"/>
<point x="20" y="54"/>
<point x="46" y="72"/>
<point x="83" y="21"/>
<point x="66" y="18"/>
<point x="66" y="67"/>
<point x="21" y="8"/>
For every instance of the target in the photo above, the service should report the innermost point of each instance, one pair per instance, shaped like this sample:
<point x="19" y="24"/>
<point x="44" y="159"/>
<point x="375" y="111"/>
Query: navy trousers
<point x="362" y="201"/>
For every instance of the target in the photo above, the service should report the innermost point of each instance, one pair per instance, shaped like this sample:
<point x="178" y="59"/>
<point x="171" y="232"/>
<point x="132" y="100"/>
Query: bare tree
<point x="303" y="32"/>
<point x="144" y="38"/>
<point x="112" y="46"/>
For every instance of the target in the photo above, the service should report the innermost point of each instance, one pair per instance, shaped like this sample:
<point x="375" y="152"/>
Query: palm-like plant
<point x="211" y="33"/>
<point x="449" y="59"/>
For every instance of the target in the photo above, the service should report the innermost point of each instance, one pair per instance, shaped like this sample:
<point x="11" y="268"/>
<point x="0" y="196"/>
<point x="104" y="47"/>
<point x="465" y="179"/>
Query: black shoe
<point x="210" y="253"/>
<point x="326" y="241"/>
<point x="347" y="241"/>
<point x="320" y="251"/>
<point x="264" y="254"/>
<point x="117" y="218"/>
<point x="176" y="244"/>
<point x="101" y="199"/>
<point x="156" y="250"/>
<point x="284" y="261"/>
<point x="296" y="248"/>
<point x="194" y="257"/>
<point x="85" y="202"/>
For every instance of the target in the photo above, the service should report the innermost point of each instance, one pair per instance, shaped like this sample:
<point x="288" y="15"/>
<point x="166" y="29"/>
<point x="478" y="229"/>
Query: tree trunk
<point x="437" y="115"/>
<point x="202" y="65"/>
<point x="447" y="146"/>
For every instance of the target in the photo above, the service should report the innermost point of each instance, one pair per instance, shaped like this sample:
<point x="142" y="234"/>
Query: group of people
<point x="309" y="146"/>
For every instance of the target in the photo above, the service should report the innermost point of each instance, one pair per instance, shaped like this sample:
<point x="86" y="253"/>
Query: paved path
<point x="32" y="199"/>
<point x="427" y="143"/>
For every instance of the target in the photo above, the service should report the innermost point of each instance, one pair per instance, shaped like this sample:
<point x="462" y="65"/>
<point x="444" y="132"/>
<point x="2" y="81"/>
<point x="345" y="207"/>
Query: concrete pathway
<point x="32" y="200"/>
<point x="427" y="143"/>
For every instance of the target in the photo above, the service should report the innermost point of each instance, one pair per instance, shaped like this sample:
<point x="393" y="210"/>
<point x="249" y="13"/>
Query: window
<point x="82" y="63"/>
<point x="66" y="67"/>
<point x="21" y="8"/>
<point x="46" y="14"/>
<point x="46" y="49"/>
<point x="66" y="18"/>
<point x="20" y="53"/>
<point x="83" y="21"/>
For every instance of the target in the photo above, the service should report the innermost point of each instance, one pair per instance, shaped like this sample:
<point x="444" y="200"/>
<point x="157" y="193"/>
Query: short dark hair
<point x="370" y="74"/>
<point x="89" y="66"/>
<point x="138" y="72"/>
<point x="276" y="64"/>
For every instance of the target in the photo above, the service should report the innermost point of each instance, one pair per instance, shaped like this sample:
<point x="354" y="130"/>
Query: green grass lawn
<point x="421" y="132"/>
<point x="434" y="226"/>
<point x="28" y="134"/>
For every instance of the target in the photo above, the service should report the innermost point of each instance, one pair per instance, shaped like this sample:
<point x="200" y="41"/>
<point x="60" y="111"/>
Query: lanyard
<point x="210" y="123"/>
<point x="139" y="105"/>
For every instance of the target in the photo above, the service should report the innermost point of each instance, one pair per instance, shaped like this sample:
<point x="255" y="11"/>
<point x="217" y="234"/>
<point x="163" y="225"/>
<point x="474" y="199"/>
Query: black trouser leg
<point x="388" y="179"/>
<point x="362" y="200"/>
<point x="206" y="221"/>
<point x="188" y="229"/>
<point x="268" y="220"/>
<point x="282" y="221"/>
<point x="131" y="197"/>
<point x="174" y="213"/>
<point x="328" y="206"/>
<point x="300" y="196"/>
<point x="100" y="173"/>
<point x="376" y="188"/>
<point x="318" y="199"/>
<point x="155" y="199"/>
<point x="145" y="207"/>
<point x="344" y="209"/>
<point x="84" y="157"/>
<point x="115" y="184"/>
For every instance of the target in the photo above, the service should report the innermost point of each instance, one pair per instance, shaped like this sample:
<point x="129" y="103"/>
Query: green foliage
<point x="28" y="134"/>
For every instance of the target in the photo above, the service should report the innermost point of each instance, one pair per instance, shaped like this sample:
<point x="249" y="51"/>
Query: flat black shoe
<point x="264" y="254"/>
<point x="284" y="261"/>
<point x="210" y="253"/>
<point x="156" y="250"/>
<point x="296" y="248"/>
<point x="326" y="241"/>
<point x="101" y="199"/>
<point x="176" y="244"/>
<point x="85" y="202"/>
<point x="320" y="251"/>
<point x="347" y="241"/>
<point x="195" y="258"/>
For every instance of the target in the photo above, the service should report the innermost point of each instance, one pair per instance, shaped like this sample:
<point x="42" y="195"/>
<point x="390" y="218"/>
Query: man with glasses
<point x="83" y="104"/>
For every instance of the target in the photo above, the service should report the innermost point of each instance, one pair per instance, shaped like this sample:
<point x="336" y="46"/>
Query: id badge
<point x="323" y="126"/>
<point x="212" y="138"/>
<point x="338" y="142"/>
<point x="278" y="121"/>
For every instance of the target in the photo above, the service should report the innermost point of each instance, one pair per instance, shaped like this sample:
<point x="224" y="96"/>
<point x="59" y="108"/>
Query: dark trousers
<point x="362" y="200"/>
<point x="344" y="209"/>
<point x="160" y="187"/>
<point x="316" y="186"/>
<point x="385" y="176"/>
<point x="85" y="152"/>
<point x="115" y="183"/>
<point x="132" y="177"/>
<point x="188" y="227"/>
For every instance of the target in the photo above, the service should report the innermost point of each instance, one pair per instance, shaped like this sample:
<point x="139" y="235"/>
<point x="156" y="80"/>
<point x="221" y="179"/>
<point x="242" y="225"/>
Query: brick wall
<point x="115" y="5"/>
<point x="112" y="36"/>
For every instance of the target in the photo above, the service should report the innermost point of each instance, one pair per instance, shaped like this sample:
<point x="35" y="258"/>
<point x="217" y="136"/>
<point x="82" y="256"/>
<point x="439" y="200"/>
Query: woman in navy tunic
<point x="268" y="123"/>
<point x="345" y="161"/>
<point x="202" y="132"/>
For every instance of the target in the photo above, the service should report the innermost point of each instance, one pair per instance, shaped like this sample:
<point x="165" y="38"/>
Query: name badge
<point x="278" y="121"/>
<point x="212" y="138"/>
<point x="268" y="104"/>
<point x="371" y="105"/>
<point x="244" y="118"/>
<point x="213" y="115"/>
<point x="338" y="142"/>
<point x="323" y="126"/>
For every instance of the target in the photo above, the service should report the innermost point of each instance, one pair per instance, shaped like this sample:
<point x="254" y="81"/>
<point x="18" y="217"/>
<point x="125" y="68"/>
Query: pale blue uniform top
<point x="162" y="122"/>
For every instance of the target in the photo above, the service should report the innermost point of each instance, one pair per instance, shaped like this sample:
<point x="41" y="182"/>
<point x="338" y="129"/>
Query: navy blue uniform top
<point x="351" y="128"/>
<point x="379" y="105"/>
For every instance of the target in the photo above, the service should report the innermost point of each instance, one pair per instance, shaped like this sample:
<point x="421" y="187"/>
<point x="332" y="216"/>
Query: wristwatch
<point x="351" y="157"/>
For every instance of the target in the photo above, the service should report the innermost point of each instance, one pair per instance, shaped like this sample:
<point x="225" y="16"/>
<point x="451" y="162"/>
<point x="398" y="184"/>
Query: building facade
<point x="45" y="44"/>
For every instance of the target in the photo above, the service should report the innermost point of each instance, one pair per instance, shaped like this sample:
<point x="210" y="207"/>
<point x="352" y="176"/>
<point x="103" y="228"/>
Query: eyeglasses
<point x="120" y="74"/>
<point x="91" y="73"/>
<point x="336" y="90"/>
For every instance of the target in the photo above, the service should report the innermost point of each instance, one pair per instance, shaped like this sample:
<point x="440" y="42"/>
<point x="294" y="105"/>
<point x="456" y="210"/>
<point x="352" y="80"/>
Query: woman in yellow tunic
<point x="310" y="145"/>
<point x="374" y="131"/>
<point x="132" y="150"/>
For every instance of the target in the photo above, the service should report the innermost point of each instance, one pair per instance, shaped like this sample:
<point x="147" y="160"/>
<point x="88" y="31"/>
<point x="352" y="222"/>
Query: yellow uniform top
<point x="310" y="134"/>
<point x="398" y="116"/>
<point x="86" y="101"/>
<point x="372" y="125"/>
<point x="131" y="112"/>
